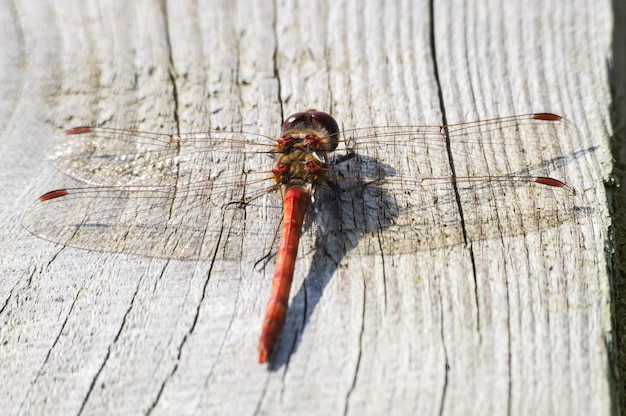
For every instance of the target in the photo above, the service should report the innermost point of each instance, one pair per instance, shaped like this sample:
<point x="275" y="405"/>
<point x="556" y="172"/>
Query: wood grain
<point x="517" y="323"/>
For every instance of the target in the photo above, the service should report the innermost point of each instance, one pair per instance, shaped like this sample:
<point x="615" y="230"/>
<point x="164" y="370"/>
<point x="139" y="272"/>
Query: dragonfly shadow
<point x="370" y="219"/>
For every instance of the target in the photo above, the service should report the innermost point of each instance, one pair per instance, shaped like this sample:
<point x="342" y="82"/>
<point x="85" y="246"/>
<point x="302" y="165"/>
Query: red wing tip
<point x="78" y="130"/>
<point x="53" y="194"/>
<point x="544" y="180"/>
<point x="549" y="181"/>
<point x="263" y="355"/>
<point x="547" y="116"/>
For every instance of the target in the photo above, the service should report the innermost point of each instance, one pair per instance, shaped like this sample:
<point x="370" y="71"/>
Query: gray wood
<point x="516" y="322"/>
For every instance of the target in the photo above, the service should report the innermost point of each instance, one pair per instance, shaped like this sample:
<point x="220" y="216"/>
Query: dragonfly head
<point x="319" y="129"/>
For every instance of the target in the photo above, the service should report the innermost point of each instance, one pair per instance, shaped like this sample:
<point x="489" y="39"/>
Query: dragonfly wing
<point x="389" y="217"/>
<point x="161" y="195"/>
<point x="405" y="177"/>
<point x="116" y="157"/>
<point x="530" y="144"/>
<point x="166" y="222"/>
<point x="526" y="145"/>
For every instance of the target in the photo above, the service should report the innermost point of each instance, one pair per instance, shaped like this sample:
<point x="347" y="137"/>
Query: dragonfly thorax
<point x="300" y="167"/>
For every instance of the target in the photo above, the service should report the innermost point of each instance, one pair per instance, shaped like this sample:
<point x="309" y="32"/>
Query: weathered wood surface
<point x="517" y="323"/>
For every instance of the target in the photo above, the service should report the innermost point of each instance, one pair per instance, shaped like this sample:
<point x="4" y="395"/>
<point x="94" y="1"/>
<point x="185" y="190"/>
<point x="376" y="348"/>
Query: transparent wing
<point x="167" y="222"/>
<point x="524" y="145"/>
<point x="117" y="157"/>
<point x="163" y="195"/>
<point x="511" y="178"/>
<point x="173" y="195"/>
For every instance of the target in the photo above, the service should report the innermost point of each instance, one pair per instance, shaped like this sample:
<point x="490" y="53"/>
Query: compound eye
<point x="313" y="119"/>
<point x="294" y="119"/>
<point x="328" y="122"/>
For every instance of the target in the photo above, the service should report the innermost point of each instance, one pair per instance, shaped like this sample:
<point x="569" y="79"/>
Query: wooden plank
<point x="517" y="323"/>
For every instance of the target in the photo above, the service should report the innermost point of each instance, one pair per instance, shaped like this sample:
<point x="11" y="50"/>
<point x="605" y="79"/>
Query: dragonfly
<point x="170" y="195"/>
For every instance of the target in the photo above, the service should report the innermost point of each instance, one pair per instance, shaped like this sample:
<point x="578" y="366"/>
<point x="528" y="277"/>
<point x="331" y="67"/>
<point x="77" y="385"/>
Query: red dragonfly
<point x="167" y="195"/>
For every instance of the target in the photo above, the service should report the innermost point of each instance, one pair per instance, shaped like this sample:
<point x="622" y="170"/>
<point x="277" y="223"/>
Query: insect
<point x="166" y="195"/>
